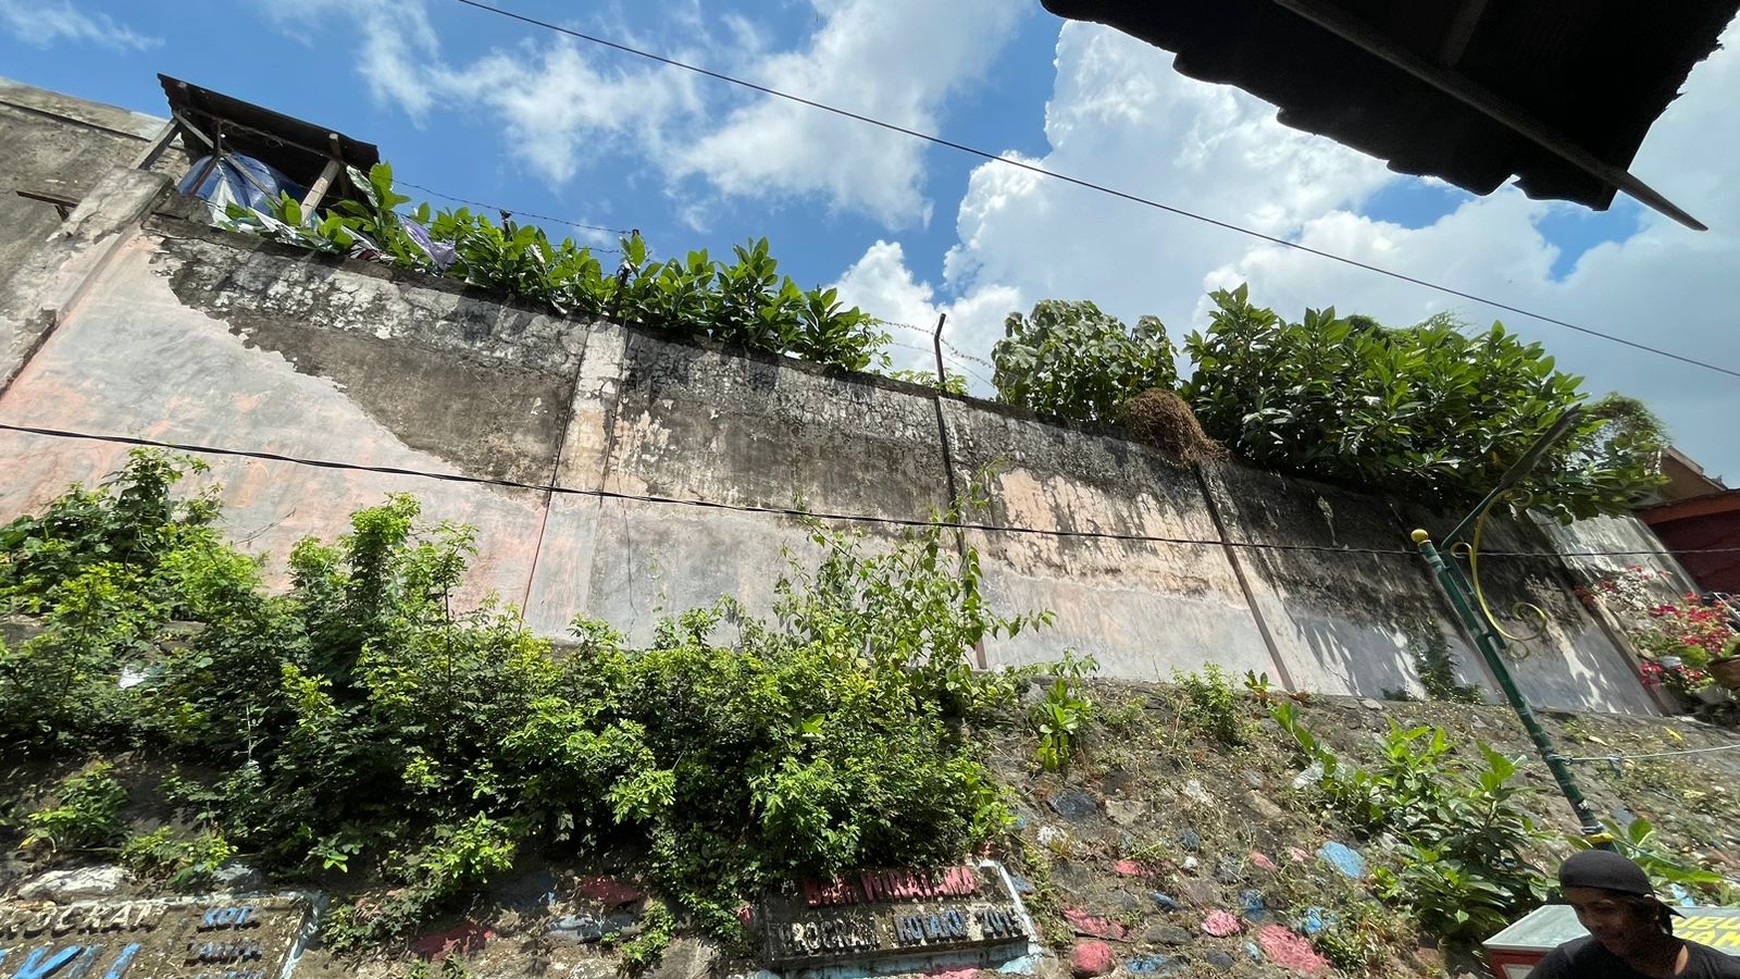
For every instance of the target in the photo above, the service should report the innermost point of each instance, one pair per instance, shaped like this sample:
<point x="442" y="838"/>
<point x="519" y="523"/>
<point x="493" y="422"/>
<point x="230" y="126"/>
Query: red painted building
<point x="1697" y="517"/>
<point x="1701" y="524"/>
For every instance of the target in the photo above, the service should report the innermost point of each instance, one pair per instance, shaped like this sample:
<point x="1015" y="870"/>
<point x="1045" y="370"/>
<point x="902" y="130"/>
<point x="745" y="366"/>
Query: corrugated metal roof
<point x="1593" y="74"/>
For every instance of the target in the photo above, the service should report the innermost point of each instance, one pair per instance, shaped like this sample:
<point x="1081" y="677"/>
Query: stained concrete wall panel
<point x="719" y="426"/>
<point x="1574" y="662"/>
<point x="1142" y="608"/>
<point x="484" y="385"/>
<point x="671" y="419"/>
<point x="55" y="145"/>
<point x="135" y="360"/>
<point x="1342" y="622"/>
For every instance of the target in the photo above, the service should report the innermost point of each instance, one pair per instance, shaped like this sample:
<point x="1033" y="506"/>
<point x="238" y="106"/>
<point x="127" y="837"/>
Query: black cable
<point x="620" y="232"/>
<point x="1090" y="185"/>
<point x="863" y="518"/>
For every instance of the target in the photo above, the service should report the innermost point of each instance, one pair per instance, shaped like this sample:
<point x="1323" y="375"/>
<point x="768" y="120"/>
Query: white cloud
<point x="893" y="60"/>
<point x="557" y="100"/>
<point x="47" y="22"/>
<point x="558" y="107"/>
<point x="881" y="284"/>
<point x="1122" y="117"/>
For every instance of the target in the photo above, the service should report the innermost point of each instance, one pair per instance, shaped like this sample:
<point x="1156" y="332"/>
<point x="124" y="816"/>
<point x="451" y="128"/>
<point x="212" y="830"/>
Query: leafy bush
<point x="746" y="303"/>
<point x="88" y="815"/>
<point x="955" y="384"/>
<point x="1207" y="702"/>
<point x="160" y="855"/>
<point x="1067" y="706"/>
<point x="1427" y="411"/>
<point x="735" y="751"/>
<point x="1639" y="840"/>
<point x="1430" y="651"/>
<point x="1069" y="360"/>
<point x="1462" y="837"/>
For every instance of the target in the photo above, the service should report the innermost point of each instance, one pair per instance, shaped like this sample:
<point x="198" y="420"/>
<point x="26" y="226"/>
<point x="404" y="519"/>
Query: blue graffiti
<point x="40" y="964"/>
<point x="46" y="961"/>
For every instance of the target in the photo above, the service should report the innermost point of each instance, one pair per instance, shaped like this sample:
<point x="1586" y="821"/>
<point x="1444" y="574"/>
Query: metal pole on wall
<point x="1492" y="649"/>
<point x="942" y="376"/>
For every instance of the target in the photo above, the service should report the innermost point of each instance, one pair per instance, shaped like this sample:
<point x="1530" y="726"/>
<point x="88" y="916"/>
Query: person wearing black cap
<point x="1631" y="931"/>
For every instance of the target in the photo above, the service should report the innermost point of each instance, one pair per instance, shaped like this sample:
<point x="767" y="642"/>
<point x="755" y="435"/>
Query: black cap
<point x="1607" y="871"/>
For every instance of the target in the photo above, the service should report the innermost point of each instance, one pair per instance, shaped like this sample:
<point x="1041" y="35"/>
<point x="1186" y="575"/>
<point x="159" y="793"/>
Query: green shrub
<point x="88" y="814"/>
<point x="1428" y="411"/>
<point x="734" y="752"/>
<point x="746" y="303"/>
<point x="180" y="863"/>
<point x="1430" y="652"/>
<point x="1069" y="360"/>
<point x="1208" y="702"/>
<point x="1462" y="839"/>
<point x="1058" y="719"/>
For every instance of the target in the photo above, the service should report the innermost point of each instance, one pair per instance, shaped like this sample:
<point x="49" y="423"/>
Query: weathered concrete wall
<point x="61" y="147"/>
<point x="195" y="336"/>
<point x="1142" y="607"/>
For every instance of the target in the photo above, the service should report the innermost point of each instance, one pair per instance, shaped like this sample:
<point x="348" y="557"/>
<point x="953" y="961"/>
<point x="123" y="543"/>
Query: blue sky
<point x="482" y="107"/>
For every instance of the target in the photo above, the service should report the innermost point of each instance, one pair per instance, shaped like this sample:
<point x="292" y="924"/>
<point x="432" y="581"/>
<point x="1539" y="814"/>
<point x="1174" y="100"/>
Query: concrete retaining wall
<point x="190" y="335"/>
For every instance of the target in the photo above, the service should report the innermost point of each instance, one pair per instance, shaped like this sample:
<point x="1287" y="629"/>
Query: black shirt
<point x="1587" y="958"/>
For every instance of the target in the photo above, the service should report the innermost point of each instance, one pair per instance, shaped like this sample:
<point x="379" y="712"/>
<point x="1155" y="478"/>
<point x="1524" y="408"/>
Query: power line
<point x="862" y="518"/>
<point x="1091" y="185"/>
<point x="620" y="232"/>
<point x="1654" y="754"/>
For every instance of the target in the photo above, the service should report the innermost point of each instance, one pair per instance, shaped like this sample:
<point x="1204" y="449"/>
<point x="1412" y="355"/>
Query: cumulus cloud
<point x="1121" y="116"/>
<point x="47" y="22"/>
<point x="555" y="98"/>
<point x="894" y="60"/>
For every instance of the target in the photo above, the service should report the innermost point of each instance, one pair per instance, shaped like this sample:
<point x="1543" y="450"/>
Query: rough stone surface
<point x="1199" y="892"/>
<point x="1221" y="924"/>
<point x="1219" y="959"/>
<point x="1344" y="859"/>
<point x="1150" y="965"/>
<point x="1089" y="959"/>
<point x="1094" y="925"/>
<point x="687" y="958"/>
<point x="58" y="885"/>
<point x="1125" y="813"/>
<point x="1074" y="805"/>
<point x="237" y="876"/>
<point x="1291" y="951"/>
<point x="1167" y="935"/>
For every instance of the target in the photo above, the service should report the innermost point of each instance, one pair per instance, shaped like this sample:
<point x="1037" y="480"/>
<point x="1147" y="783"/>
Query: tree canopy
<point x="1435" y="410"/>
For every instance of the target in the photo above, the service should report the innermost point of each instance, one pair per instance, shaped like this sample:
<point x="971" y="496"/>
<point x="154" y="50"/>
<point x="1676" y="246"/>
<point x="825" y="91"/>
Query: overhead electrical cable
<point x="1091" y="185"/>
<point x="862" y="518"/>
<point x="620" y="232"/>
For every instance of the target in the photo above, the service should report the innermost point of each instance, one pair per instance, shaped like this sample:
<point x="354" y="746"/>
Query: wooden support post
<point x="317" y="192"/>
<point x="333" y="170"/>
<point x="155" y="149"/>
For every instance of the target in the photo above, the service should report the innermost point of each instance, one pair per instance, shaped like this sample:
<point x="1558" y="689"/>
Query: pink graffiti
<point x="1221" y="924"/>
<point x="1133" y="868"/>
<point x="1291" y="951"/>
<point x="464" y="938"/>
<point x="1093" y="924"/>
